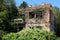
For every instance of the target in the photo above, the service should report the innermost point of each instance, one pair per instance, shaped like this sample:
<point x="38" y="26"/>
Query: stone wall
<point x="45" y="21"/>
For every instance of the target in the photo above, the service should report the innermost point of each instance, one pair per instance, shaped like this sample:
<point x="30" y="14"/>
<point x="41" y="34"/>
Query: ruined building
<point x="39" y="17"/>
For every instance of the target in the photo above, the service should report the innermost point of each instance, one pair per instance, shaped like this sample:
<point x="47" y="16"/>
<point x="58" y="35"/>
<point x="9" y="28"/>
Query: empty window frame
<point x="39" y="27"/>
<point x="31" y="14"/>
<point x="39" y="14"/>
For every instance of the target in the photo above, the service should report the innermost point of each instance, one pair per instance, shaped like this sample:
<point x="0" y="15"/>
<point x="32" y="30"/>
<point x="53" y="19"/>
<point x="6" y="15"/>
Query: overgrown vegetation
<point x="9" y="11"/>
<point x="56" y="12"/>
<point x="30" y="34"/>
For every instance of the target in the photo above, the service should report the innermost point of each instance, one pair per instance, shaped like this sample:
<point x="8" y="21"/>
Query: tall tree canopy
<point x="23" y="5"/>
<point x="2" y="5"/>
<point x="8" y="11"/>
<point x="12" y="9"/>
<point x="56" y="12"/>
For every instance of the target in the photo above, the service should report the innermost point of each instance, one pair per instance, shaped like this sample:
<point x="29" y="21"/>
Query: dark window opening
<point x="31" y="15"/>
<point x="31" y="27"/>
<point x="39" y="27"/>
<point x="39" y="14"/>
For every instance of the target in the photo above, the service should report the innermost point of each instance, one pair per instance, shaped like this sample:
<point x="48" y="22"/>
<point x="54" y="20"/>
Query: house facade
<point x="39" y="17"/>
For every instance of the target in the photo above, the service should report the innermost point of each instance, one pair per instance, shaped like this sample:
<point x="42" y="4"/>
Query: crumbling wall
<point x="45" y="19"/>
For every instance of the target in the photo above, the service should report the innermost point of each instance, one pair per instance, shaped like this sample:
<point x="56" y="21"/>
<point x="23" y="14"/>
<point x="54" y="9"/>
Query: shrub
<point x="30" y="34"/>
<point x="58" y="38"/>
<point x="11" y="36"/>
<point x="1" y="34"/>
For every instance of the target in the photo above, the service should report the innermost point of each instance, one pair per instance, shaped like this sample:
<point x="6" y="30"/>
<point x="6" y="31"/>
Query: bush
<point x="11" y="36"/>
<point x="1" y="34"/>
<point x="30" y="34"/>
<point x="58" y="38"/>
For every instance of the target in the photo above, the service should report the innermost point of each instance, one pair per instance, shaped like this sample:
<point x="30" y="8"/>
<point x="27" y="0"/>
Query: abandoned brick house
<point x="39" y="17"/>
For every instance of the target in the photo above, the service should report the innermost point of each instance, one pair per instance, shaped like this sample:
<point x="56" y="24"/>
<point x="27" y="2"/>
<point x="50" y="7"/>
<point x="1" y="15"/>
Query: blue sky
<point x="38" y="2"/>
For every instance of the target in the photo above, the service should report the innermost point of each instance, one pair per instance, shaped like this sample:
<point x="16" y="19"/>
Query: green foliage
<point x="11" y="36"/>
<point x="8" y="11"/>
<point x="1" y="34"/>
<point x="58" y="38"/>
<point x="21" y="15"/>
<point x="2" y="5"/>
<point x="58" y="25"/>
<point x="56" y="12"/>
<point x="3" y="16"/>
<point x="30" y="34"/>
<point x="12" y="9"/>
<point x="23" y="5"/>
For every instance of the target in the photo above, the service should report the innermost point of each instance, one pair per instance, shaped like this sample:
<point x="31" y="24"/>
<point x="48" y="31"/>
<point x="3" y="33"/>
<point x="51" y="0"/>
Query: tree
<point x="12" y="14"/>
<point x="2" y="5"/>
<point x="56" y="12"/>
<point x="23" y="5"/>
<point x="8" y="11"/>
<point x="3" y="13"/>
<point x="1" y="34"/>
<point x="12" y="9"/>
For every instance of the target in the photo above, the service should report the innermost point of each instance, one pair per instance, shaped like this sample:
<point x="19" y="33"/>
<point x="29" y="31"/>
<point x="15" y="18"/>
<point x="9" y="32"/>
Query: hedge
<point x="30" y="34"/>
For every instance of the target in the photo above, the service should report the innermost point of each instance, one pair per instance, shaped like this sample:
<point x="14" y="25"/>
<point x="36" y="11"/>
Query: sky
<point x="39" y="2"/>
